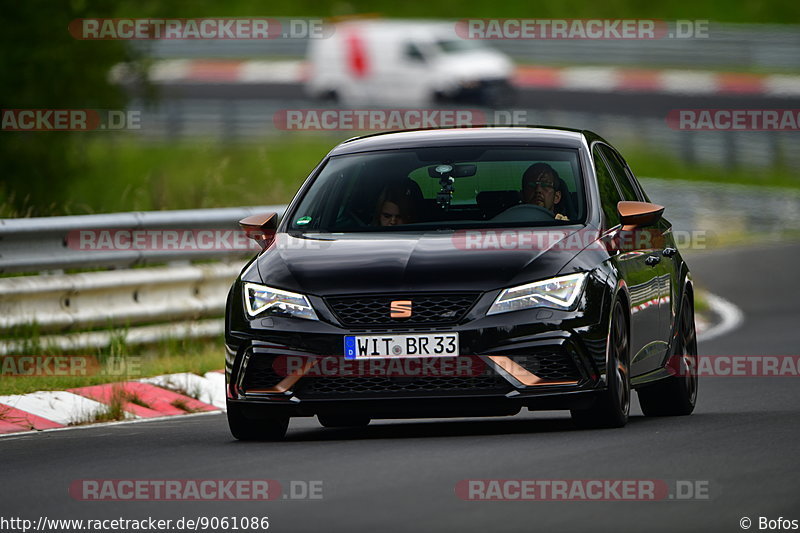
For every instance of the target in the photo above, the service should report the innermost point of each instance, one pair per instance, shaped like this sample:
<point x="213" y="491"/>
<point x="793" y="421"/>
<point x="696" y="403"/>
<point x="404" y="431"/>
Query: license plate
<point x="389" y="346"/>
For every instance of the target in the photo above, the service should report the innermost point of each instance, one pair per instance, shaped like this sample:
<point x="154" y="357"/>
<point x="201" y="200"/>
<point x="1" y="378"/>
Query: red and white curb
<point x="217" y="71"/>
<point x="56" y="408"/>
<point x="598" y="79"/>
<point x="160" y="396"/>
<point x="613" y="79"/>
<point x="729" y="318"/>
<point x="209" y="389"/>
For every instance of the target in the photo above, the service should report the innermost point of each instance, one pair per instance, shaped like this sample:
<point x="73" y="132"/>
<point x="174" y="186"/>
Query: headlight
<point x="260" y="298"/>
<point x="558" y="293"/>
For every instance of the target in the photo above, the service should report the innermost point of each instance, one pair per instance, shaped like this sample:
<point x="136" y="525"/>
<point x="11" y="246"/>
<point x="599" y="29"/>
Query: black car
<point x="461" y="272"/>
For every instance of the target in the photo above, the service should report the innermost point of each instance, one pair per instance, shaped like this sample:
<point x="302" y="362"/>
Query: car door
<point x="405" y="73"/>
<point x="670" y="262"/>
<point x="655" y="241"/>
<point x="631" y="260"/>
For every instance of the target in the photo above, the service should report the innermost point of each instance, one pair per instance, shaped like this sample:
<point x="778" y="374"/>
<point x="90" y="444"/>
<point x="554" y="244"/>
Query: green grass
<point x="128" y="363"/>
<point x="774" y="11"/>
<point x="129" y="174"/>
<point x="740" y="239"/>
<point x="701" y="305"/>
<point x="182" y="404"/>
<point x="114" y="410"/>
<point x="653" y="164"/>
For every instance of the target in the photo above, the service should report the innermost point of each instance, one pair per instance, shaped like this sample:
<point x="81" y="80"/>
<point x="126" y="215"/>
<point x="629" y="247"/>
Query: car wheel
<point x="343" y="421"/>
<point x="243" y="428"/>
<point x="329" y="96"/>
<point x="612" y="406"/>
<point x="677" y="394"/>
<point x="497" y="96"/>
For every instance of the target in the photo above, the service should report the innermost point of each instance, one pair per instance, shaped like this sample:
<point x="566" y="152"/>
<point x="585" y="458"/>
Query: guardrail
<point x="140" y="305"/>
<point x="45" y="243"/>
<point x="252" y="121"/>
<point x="97" y="299"/>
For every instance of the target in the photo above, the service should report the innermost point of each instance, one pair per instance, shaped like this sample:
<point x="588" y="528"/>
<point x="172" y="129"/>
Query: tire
<point x="343" y="421"/>
<point x="677" y="394"/>
<point x="498" y="96"/>
<point x="612" y="406"/>
<point x="330" y="96"/>
<point x="264" y="429"/>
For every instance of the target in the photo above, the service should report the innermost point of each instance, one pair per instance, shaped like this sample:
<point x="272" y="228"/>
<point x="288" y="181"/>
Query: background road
<point x="400" y="475"/>
<point x="584" y="101"/>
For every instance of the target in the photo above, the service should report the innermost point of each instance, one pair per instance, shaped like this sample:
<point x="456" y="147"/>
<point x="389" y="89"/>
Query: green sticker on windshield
<point x="302" y="221"/>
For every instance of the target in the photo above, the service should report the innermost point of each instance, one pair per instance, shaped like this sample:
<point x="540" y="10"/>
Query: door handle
<point x="652" y="260"/>
<point x="669" y="252"/>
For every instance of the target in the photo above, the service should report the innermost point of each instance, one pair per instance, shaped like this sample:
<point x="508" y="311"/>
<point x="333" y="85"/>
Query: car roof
<point x="468" y="136"/>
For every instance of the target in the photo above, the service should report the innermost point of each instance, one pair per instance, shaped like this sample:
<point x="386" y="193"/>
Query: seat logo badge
<point x="401" y="309"/>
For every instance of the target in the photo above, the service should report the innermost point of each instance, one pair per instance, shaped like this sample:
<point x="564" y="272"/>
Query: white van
<point x="405" y="63"/>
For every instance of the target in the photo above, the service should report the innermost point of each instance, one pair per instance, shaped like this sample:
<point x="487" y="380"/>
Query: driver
<point x="541" y="186"/>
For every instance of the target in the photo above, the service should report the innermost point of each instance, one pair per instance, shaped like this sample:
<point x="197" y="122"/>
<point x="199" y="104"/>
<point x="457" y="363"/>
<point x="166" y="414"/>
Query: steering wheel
<point x="525" y="213"/>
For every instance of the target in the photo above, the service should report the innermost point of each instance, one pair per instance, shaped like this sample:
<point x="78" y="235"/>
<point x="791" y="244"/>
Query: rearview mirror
<point x="455" y="171"/>
<point x="261" y="228"/>
<point x="633" y="214"/>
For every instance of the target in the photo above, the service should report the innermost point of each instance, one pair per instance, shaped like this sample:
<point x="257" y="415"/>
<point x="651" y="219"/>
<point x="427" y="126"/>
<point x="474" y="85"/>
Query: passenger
<point x="542" y="186"/>
<point x="393" y="208"/>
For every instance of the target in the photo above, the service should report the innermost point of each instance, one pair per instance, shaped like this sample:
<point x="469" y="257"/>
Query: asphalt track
<point x="400" y="475"/>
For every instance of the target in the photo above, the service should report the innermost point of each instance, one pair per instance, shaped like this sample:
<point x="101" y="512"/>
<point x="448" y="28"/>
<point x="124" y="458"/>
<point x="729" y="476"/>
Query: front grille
<point x="260" y="373"/>
<point x="359" y="387"/>
<point x="426" y="309"/>
<point x="555" y="365"/>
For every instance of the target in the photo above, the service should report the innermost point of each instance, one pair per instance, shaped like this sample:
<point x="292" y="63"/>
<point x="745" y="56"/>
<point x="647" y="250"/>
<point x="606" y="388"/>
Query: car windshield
<point x="442" y="188"/>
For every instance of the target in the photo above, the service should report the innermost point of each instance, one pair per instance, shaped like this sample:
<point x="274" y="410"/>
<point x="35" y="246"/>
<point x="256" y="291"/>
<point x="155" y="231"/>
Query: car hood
<point x="403" y="262"/>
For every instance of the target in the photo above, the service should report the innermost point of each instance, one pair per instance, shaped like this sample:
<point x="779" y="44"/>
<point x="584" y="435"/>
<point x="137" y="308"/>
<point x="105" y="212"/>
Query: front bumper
<point x="539" y="359"/>
<point x="482" y="92"/>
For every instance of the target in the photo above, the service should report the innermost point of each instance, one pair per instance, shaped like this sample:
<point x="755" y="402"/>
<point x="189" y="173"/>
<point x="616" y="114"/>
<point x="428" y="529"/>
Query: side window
<point x="620" y="174"/>
<point x="413" y="53"/>
<point x="609" y="194"/>
<point x="639" y="187"/>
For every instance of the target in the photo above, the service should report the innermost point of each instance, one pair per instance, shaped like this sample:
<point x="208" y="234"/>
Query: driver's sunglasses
<point x="540" y="183"/>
